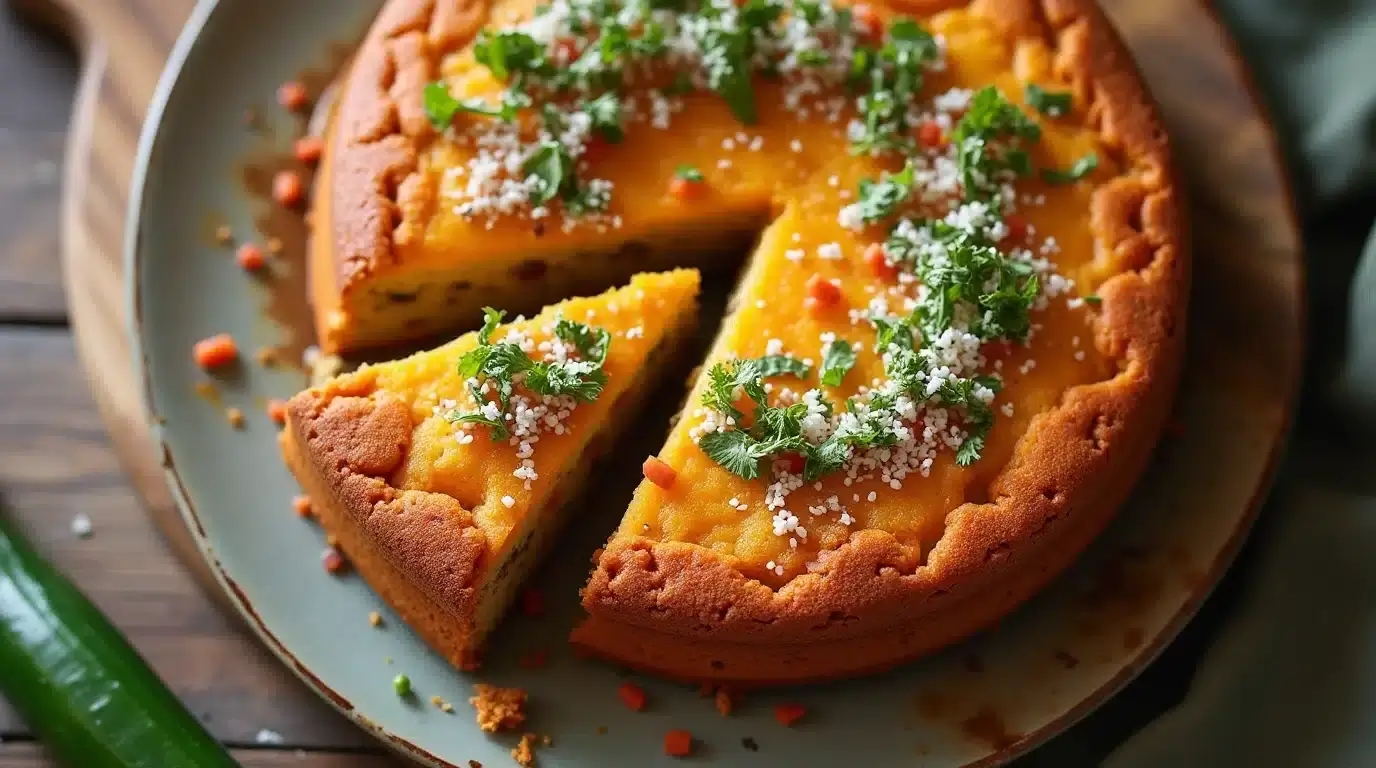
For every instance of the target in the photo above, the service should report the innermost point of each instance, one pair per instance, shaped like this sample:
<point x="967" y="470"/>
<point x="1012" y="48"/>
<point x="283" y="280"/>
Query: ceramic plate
<point x="982" y="702"/>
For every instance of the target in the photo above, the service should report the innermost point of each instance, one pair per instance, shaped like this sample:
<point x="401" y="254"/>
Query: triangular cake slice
<point x="443" y="475"/>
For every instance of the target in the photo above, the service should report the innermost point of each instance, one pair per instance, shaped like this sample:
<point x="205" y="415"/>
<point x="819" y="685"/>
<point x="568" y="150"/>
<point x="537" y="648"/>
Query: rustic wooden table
<point x="56" y="462"/>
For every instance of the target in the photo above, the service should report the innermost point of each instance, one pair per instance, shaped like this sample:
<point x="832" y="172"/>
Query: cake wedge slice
<point x="443" y="476"/>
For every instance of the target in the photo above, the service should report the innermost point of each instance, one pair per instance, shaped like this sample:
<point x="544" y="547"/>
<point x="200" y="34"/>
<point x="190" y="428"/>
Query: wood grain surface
<point x="55" y="457"/>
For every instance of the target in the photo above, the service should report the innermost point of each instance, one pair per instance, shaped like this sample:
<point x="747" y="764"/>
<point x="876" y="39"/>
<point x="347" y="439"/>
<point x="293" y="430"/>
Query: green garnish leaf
<point x="592" y="342"/>
<point x="989" y="141"/>
<point x="688" y="173"/>
<point x="605" y="111"/>
<point x="837" y="361"/>
<point x="735" y="450"/>
<point x="440" y="106"/>
<point x="779" y="365"/>
<point x="1094" y="300"/>
<point x="889" y="331"/>
<point x="499" y="430"/>
<point x="508" y="52"/>
<point x="491" y="319"/>
<point x="879" y="200"/>
<point x="1049" y="103"/>
<point x="1082" y="168"/>
<point x="581" y="379"/>
<point x="554" y="168"/>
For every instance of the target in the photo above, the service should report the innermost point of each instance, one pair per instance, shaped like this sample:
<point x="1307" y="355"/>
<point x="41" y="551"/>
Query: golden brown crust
<point x="381" y="126"/>
<point x="867" y="605"/>
<point x="419" y="550"/>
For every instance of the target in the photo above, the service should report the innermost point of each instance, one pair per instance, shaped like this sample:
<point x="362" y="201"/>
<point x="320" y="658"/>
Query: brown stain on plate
<point x="987" y="727"/>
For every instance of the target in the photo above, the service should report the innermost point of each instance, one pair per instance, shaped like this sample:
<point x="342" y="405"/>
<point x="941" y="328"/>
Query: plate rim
<point x="198" y="19"/>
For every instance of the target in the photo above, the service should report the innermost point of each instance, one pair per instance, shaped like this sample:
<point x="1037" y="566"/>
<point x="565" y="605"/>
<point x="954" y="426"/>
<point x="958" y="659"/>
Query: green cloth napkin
<point x="1279" y="669"/>
<point x="1287" y="673"/>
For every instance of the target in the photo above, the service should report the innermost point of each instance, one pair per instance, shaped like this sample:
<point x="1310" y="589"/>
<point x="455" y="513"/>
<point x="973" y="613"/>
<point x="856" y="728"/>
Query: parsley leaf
<point x="735" y="450"/>
<point x="440" y="106"/>
<point x="956" y="267"/>
<point x="890" y="331"/>
<point x="592" y="342"/>
<point x="989" y="140"/>
<point x="605" y="111"/>
<point x="499" y="430"/>
<point x="837" y="361"/>
<point x="688" y="173"/>
<point x="553" y="167"/>
<point x="1094" y="300"/>
<point x="491" y="319"/>
<point x="579" y="378"/>
<point x="1049" y="103"/>
<point x="879" y="200"/>
<point x="1082" y="168"/>
<point x="508" y="52"/>
<point x="778" y="365"/>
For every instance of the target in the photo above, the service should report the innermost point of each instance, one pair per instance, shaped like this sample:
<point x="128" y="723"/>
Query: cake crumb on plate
<point x="499" y="709"/>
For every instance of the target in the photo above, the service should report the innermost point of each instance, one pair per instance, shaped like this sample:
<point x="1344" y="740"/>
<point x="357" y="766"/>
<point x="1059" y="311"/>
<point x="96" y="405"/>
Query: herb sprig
<point x="498" y="368"/>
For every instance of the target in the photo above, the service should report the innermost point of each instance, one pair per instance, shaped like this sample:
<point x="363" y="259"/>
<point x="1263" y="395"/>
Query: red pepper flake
<point x="678" y="743"/>
<point x="821" y="293"/>
<point x="931" y="135"/>
<point x="533" y="602"/>
<point x="632" y="695"/>
<point x="595" y="148"/>
<point x="724" y="702"/>
<point x="866" y="22"/>
<point x="333" y="561"/>
<point x="250" y="257"/>
<point x="659" y="473"/>
<point x="878" y="262"/>
<point x="216" y="351"/>
<point x="1017" y="228"/>
<point x="794" y="462"/>
<point x="301" y="505"/>
<point x="287" y="188"/>
<point x="684" y="189"/>
<point x="277" y="411"/>
<point x="788" y="714"/>
<point x="566" y="49"/>
<point x="308" y="149"/>
<point x="292" y="95"/>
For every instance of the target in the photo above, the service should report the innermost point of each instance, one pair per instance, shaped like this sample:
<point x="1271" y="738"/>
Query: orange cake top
<point x="500" y="459"/>
<point x="963" y="202"/>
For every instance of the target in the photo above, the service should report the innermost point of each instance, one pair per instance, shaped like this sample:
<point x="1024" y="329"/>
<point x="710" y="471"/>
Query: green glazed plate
<point x="982" y="702"/>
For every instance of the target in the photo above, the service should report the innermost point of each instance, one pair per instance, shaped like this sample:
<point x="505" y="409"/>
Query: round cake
<point x="950" y="354"/>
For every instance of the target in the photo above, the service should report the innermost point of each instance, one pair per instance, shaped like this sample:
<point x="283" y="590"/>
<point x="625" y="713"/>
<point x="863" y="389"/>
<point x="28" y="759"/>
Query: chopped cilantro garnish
<point x="1094" y="300"/>
<point x="1050" y="103"/>
<point x="779" y="365"/>
<point x="989" y="141"/>
<point x="959" y="267"/>
<point x="440" y="106"/>
<point x="605" y="112"/>
<point x="493" y="368"/>
<point x="879" y="200"/>
<point x="552" y="165"/>
<point x="592" y="342"/>
<point x="508" y="52"/>
<point x="837" y="362"/>
<point x="774" y="431"/>
<point x="1082" y="168"/>
<point x="688" y="173"/>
